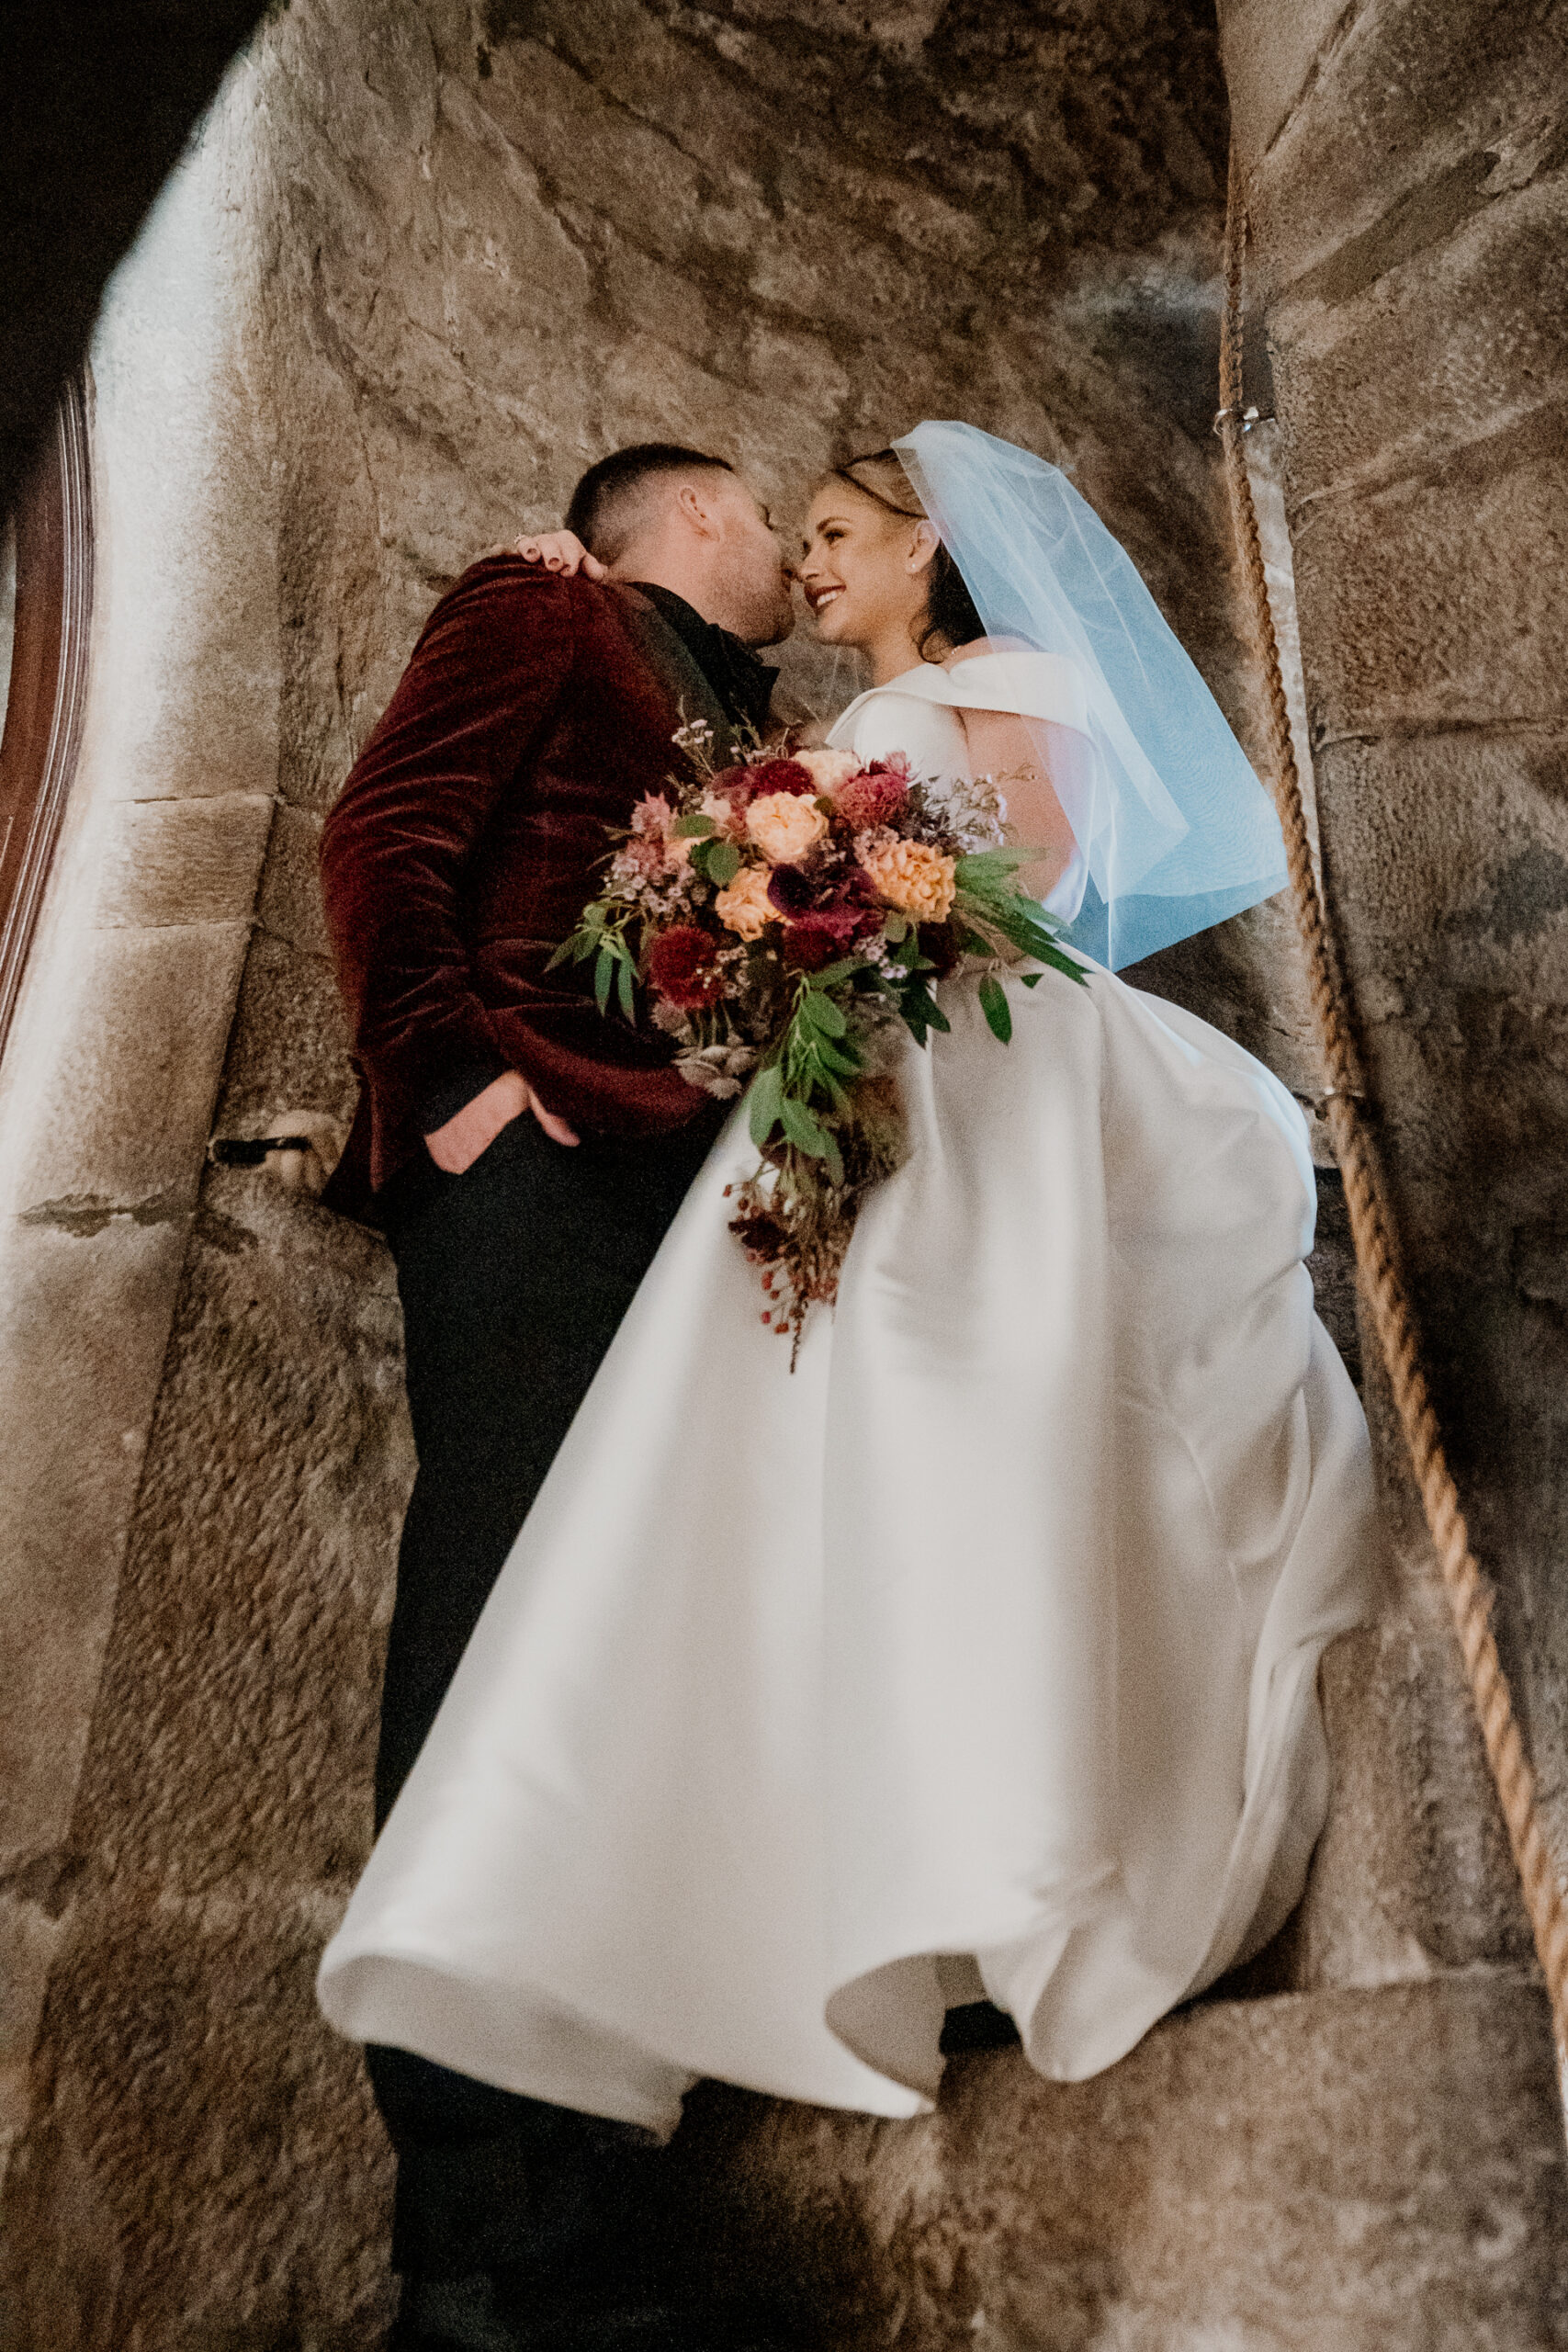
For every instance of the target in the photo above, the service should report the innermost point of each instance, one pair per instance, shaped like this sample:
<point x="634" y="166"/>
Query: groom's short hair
<point x="610" y="503"/>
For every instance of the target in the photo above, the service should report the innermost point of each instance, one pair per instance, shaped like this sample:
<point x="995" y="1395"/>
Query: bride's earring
<point x="921" y="548"/>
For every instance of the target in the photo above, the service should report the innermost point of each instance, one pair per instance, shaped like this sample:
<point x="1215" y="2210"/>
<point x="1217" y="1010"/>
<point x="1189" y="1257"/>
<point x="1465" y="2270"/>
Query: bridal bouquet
<point x="784" y="916"/>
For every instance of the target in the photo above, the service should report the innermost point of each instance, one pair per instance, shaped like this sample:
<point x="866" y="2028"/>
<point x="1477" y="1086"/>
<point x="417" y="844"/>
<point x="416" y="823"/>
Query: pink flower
<point x="679" y="967"/>
<point x="652" y="814"/>
<point x="640" y="855"/>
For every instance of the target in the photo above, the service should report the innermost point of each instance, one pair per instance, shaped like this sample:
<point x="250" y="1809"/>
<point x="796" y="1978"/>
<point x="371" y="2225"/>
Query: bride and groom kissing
<point x="769" y="1725"/>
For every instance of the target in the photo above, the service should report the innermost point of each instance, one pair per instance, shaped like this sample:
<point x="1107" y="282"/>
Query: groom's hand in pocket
<point x="457" y="1145"/>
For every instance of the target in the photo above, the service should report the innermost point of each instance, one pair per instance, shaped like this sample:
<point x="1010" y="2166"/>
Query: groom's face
<point x="758" y="582"/>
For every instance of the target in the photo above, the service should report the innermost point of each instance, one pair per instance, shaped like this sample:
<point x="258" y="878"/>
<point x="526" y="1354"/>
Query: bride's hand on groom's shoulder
<point x="558" y="552"/>
<point x="561" y="552"/>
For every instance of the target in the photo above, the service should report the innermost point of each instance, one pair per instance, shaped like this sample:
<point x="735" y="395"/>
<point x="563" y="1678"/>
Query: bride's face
<point x="864" y="569"/>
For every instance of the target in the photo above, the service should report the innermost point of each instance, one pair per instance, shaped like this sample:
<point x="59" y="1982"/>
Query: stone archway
<point x="426" y="259"/>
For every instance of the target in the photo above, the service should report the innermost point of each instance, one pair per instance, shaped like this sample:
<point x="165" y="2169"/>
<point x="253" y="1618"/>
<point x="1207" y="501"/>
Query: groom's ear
<point x="923" y="545"/>
<point x="697" y="510"/>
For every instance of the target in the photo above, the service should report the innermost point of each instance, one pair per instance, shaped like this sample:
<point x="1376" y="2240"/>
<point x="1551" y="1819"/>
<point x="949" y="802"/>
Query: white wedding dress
<point x="975" y="1658"/>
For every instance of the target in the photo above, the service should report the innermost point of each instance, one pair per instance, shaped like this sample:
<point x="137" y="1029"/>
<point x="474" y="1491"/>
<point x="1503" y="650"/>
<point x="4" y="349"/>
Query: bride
<point x="975" y="1660"/>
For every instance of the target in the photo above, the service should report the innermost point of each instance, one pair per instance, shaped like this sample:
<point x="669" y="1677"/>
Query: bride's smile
<point x="865" y="572"/>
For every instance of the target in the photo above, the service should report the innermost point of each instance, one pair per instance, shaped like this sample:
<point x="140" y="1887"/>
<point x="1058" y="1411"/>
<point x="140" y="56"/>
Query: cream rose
<point x="784" y="825"/>
<point x="719" y="809"/>
<point x="745" y="907"/>
<point x="913" y="876"/>
<point x="828" y="770"/>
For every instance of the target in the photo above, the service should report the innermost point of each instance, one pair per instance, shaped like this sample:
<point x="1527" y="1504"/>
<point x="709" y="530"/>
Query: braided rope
<point x="1371" y="1224"/>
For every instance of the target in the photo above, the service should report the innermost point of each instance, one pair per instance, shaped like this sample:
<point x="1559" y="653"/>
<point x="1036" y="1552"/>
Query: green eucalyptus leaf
<point x="1060" y="960"/>
<point x="995" y="1006"/>
<point x="723" y="864"/>
<point x="801" y="1128"/>
<point x="692" y="829"/>
<point x="818" y="1008"/>
<point x="920" y="1011"/>
<point x="767" y="1095"/>
<point x="833" y="976"/>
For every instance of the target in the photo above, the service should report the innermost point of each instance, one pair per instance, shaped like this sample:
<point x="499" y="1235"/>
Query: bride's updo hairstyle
<point x="950" y="615"/>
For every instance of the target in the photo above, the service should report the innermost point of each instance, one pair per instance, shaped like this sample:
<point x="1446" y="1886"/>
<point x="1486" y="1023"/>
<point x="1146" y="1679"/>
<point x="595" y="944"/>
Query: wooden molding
<point x="49" y="679"/>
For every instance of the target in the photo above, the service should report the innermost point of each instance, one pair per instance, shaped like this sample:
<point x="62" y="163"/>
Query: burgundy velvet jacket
<point x="466" y="841"/>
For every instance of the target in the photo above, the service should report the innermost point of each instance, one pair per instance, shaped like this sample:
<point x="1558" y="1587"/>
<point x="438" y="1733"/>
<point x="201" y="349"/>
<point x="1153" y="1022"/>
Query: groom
<point x="523" y="1157"/>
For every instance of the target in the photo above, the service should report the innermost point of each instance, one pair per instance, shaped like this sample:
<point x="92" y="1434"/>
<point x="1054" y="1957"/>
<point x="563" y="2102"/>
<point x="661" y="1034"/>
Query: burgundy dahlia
<point x="871" y="798"/>
<point x="780" y="775"/>
<point x="940" y="942"/>
<point x="820" y="939"/>
<point x="794" y="893"/>
<point x="679" y="967"/>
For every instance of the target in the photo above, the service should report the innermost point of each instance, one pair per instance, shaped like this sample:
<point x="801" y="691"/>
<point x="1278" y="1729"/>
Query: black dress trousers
<point x="514" y="1277"/>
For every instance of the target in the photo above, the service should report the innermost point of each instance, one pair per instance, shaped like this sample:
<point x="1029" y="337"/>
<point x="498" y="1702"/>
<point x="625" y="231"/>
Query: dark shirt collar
<point x="743" y="685"/>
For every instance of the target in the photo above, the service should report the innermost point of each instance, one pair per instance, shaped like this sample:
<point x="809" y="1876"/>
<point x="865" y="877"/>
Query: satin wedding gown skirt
<point x="975" y="1658"/>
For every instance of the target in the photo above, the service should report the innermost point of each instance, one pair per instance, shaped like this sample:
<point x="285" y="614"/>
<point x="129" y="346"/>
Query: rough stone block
<point x="1441" y="601"/>
<point x="206" y="2173"/>
<point x="1447" y="857"/>
<point x="236" y="1728"/>
<point x="1389" y="365"/>
<point x="1413" y="1876"/>
<point x="289" y="905"/>
<point x="290" y="1045"/>
<point x="84" y="1313"/>
<point x="84" y="1316"/>
<point x="1271" y="57"/>
<point x="1416" y="117"/>
<point x="1377" y="2171"/>
<point x="179" y="861"/>
<point x="120" y="1116"/>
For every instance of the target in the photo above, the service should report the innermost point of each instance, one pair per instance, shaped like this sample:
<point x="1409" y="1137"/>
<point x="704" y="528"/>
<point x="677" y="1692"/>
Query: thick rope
<point x="1371" y="1224"/>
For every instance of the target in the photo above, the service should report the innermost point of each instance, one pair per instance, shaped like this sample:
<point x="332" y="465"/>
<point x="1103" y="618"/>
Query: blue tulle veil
<point x="1176" y="831"/>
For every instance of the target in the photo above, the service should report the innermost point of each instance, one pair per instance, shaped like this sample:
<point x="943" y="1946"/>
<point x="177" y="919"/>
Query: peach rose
<point x="828" y="770"/>
<point x="784" y="825"/>
<point x="744" y="908"/>
<point x="913" y="876"/>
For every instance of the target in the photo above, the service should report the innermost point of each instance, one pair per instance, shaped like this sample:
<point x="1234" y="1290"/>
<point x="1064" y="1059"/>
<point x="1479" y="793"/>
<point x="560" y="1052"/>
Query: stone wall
<point x="1406" y="172"/>
<point x="425" y="262"/>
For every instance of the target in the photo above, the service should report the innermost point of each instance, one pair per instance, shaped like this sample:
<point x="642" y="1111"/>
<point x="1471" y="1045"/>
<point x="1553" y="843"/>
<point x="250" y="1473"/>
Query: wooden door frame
<point x="49" y="679"/>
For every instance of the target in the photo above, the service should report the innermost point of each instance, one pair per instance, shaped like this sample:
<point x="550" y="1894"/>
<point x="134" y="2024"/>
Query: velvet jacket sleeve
<point x="483" y="685"/>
